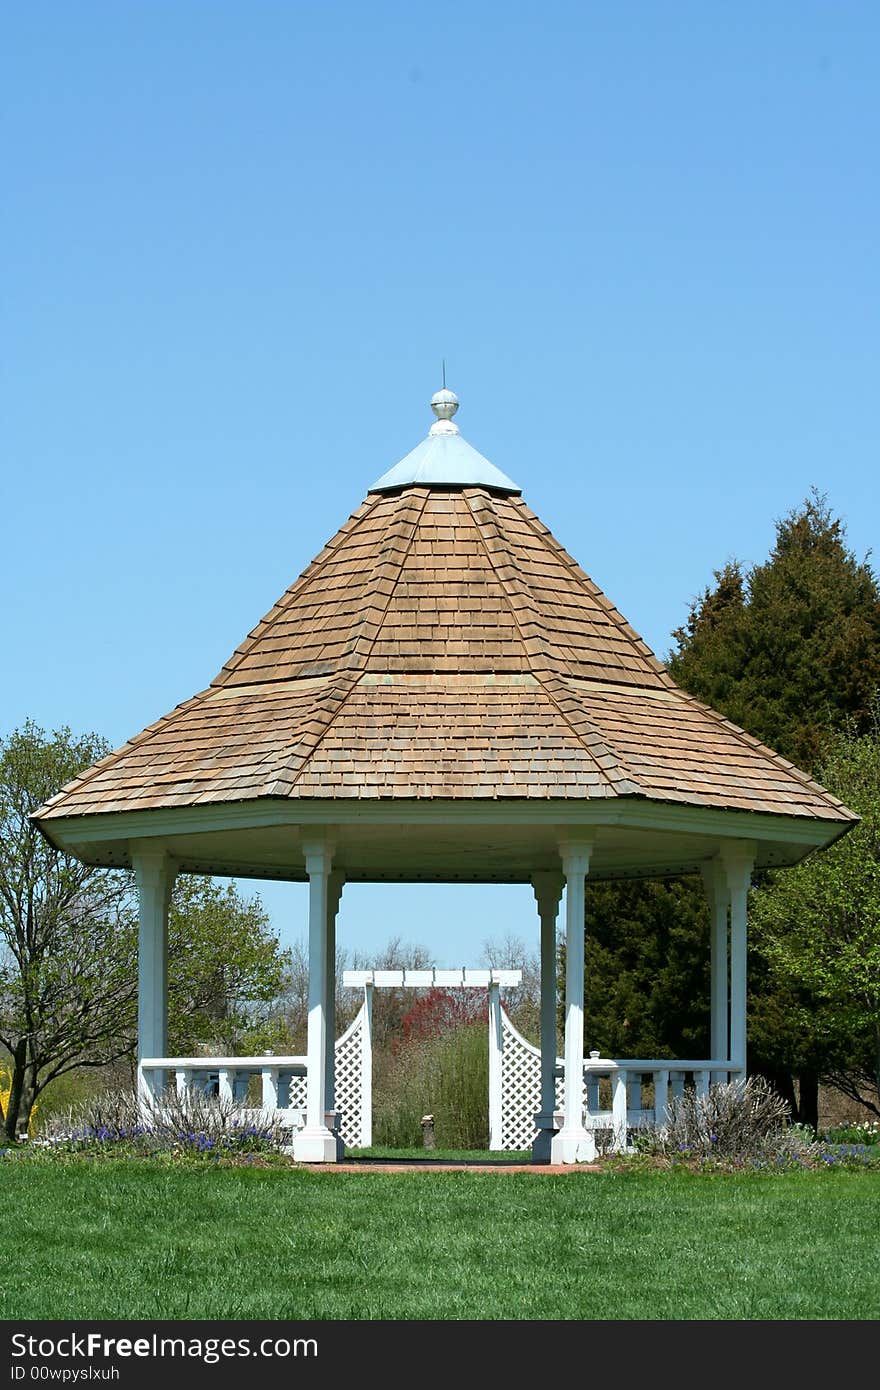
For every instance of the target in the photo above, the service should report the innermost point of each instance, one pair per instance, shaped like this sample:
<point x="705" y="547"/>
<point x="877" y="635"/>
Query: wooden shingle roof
<point x="443" y="645"/>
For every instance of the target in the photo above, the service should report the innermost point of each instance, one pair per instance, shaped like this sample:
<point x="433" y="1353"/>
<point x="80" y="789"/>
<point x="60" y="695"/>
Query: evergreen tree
<point x="789" y="651"/>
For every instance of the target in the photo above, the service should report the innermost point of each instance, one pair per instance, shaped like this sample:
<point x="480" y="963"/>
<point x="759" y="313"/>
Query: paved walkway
<point x="418" y="1165"/>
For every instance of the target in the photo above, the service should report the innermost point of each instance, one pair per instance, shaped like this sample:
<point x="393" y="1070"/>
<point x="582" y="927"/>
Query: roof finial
<point x="444" y="404"/>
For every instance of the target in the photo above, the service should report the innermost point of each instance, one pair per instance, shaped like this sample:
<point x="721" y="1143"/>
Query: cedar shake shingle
<point x="443" y="644"/>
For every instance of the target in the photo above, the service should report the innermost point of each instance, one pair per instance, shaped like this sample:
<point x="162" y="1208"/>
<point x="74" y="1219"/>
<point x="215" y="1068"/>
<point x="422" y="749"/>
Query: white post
<point x="367" y="1068"/>
<point x="548" y="893"/>
<point x="154" y="876"/>
<point x="717" y="892"/>
<point x="224" y="1085"/>
<point x="572" y="1144"/>
<point x="619" y="1115"/>
<point x="315" y="1143"/>
<point x="335" y="885"/>
<point x="495" y="1055"/>
<point x="738" y="858"/>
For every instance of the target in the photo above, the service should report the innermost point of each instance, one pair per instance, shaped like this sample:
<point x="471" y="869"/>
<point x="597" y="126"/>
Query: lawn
<point x="146" y="1239"/>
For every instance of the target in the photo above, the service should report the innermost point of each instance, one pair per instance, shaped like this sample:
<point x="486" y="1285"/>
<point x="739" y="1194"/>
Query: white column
<point x="548" y="893"/>
<point x="154" y="876"/>
<point x="572" y="1144"/>
<point x="715" y="880"/>
<point x="335" y="884"/>
<point x="495" y="1056"/>
<point x="367" y="1069"/>
<point x="738" y="858"/>
<point x="315" y="1143"/>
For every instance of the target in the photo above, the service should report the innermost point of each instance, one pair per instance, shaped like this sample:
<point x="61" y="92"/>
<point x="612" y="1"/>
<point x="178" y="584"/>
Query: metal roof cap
<point x="444" y="459"/>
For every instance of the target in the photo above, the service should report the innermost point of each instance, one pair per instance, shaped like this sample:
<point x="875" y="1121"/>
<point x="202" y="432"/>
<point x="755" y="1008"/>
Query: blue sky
<point x="238" y="238"/>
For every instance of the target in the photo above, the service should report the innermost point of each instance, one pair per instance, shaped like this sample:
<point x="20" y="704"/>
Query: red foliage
<point x="440" y="1010"/>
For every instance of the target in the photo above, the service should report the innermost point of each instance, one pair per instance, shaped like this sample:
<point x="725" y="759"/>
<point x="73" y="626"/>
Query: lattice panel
<point x="521" y="1088"/>
<point x="349" y="1079"/>
<point x="296" y="1092"/>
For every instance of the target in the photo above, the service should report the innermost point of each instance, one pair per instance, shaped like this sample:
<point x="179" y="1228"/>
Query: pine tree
<point x="791" y="651"/>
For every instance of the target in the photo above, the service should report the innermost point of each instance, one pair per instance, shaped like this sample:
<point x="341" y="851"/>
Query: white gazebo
<point x="445" y="696"/>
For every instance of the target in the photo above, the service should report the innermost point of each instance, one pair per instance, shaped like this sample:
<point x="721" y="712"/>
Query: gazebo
<point x="443" y="695"/>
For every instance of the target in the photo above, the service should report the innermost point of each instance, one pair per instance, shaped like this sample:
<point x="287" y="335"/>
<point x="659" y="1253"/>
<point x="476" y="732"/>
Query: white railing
<point x="628" y="1080"/>
<point x="615" y="1090"/>
<point x="282" y="1081"/>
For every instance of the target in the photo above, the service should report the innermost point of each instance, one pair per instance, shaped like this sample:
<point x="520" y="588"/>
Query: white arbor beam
<point x="154" y="876"/>
<point x="315" y="1143"/>
<point x="718" y="893"/>
<point x="573" y="1144"/>
<point x="738" y="858"/>
<point x="547" y="888"/>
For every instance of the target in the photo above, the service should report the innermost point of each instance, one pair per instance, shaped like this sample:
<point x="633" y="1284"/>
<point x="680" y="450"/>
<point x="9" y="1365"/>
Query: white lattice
<point x="296" y="1090"/>
<point x="520" y="1087"/>
<point x="349" y="1079"/>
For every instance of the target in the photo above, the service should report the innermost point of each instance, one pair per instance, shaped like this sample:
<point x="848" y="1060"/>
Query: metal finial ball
<point x="444" y="404"/>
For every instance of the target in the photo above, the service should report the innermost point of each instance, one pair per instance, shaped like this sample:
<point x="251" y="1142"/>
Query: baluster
<point x="181" y="1077"/>
<point x="224" y="1089"/>
<point x="618" y="1111"/>
<point x="591" y="1081"/>
<point x="634" y="1091"/>
<point x="270" y="1088"/>
<point x="676" y="1084"/>
<point x="661" y="1096"/>
<point x="701" y="1082"/>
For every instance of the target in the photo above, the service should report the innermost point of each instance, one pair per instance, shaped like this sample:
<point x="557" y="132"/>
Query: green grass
<point x="147" y="1239"/>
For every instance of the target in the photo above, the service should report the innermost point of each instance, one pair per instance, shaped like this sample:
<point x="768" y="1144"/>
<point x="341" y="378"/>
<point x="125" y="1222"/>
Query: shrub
<point x="190" y="1124"/>
<point x="739" y="1122"/>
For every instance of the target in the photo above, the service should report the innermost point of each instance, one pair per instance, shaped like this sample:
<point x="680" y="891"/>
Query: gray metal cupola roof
<point x="444" y="459"/>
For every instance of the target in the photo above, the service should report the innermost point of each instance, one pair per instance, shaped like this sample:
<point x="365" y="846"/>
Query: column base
<point x="318" y="1145"/>
<point x="573" y="1146"/>
<point x="547" y="1127"/>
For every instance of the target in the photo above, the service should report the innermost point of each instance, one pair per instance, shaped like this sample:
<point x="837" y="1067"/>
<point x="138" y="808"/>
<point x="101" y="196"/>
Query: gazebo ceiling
<point x="446" y="687"/>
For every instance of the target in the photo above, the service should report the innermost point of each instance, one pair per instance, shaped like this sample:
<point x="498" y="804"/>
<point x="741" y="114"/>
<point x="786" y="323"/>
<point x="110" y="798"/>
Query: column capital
<point x="547" y="887"/>
<point x="318" y="851"/>
<point x="149" y="854"/>
<point x="738" y="859"/>
<point x="154" y="869"/>
<point x="714" y="878"/>
<point x="575" y="853"/>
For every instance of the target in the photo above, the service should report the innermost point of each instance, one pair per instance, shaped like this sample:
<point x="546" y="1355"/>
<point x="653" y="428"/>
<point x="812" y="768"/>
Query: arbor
<point x="818" y="926"/>
<point x="68" y="941"/>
